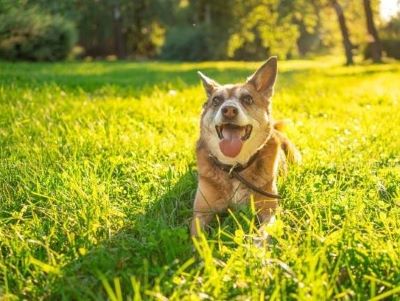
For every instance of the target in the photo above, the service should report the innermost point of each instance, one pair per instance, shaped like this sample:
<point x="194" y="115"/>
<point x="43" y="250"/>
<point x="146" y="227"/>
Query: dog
<point x="240" y="148"/>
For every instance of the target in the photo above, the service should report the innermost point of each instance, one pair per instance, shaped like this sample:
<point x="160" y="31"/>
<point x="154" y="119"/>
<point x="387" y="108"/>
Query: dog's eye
<point x="217" y="100"/>
<point x="247" y="99"/>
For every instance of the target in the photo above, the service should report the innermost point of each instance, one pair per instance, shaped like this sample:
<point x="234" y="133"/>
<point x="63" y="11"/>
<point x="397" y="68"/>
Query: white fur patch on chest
<point x="240" y="194"/>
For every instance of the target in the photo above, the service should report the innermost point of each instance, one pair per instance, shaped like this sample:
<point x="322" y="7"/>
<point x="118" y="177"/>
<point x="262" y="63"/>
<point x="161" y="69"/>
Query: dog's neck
<point x="234" y="167"/>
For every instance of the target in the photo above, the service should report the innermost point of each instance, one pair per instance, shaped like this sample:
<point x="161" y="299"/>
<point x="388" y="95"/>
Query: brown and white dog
<point x="240" y="148"/>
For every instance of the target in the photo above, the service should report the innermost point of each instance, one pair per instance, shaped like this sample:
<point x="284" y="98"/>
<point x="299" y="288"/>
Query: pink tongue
<point x="232" y="143"/>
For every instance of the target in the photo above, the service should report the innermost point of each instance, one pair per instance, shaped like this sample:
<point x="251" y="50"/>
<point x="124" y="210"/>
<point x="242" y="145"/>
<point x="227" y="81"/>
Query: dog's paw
<point x="262" y="241"/>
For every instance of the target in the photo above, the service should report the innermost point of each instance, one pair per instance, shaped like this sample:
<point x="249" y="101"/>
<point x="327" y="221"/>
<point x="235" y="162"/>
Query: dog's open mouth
<point x="232" y="137"/>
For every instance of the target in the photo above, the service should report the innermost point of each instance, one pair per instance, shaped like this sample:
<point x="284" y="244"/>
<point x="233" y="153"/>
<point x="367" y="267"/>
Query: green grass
<point x="97" y="178"/>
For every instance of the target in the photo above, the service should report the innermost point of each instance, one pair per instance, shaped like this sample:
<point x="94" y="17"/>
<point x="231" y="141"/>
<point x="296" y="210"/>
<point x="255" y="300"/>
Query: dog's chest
<point x="240" y="193"/>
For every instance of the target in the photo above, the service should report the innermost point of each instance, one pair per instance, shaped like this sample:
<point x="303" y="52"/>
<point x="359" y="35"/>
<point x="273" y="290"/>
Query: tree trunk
<point x="374" y="42"/>
<point x="345" y="32"/>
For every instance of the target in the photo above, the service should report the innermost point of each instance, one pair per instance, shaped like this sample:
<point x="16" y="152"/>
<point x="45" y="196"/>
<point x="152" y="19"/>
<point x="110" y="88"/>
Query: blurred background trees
<point x="194" y="29"/>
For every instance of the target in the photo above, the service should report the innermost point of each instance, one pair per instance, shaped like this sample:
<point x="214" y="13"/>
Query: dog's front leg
<point x="199" y="221"/>
<point x="266" y="207"/>
<point x="207" y="203"/>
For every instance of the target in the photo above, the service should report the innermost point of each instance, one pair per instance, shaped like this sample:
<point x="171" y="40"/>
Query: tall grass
<point x="97" y="178"/>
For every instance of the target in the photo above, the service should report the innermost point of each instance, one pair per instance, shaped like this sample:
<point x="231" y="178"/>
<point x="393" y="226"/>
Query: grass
<point x="97" y="178"/>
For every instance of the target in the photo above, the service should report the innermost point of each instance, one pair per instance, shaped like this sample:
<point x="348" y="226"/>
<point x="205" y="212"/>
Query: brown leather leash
<point x="233" y="171"/>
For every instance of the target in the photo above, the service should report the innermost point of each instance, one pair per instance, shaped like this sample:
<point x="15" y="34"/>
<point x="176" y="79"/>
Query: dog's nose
<point x="229" y="112"/>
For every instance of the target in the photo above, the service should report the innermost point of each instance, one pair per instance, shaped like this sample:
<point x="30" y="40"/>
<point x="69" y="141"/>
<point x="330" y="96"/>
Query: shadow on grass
<point x="130" y="79"/>
<point x="136" y="79"/>
<point x="356" y="71"/>
<point x="151" y="250"/>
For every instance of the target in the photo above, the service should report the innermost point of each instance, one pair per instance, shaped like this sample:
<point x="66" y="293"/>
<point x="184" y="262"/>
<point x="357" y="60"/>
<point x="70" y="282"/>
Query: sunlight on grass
<point x="97" y="178"/>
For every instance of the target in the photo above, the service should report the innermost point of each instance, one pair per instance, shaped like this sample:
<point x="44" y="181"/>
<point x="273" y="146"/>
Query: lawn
<point x="98" y="174"/>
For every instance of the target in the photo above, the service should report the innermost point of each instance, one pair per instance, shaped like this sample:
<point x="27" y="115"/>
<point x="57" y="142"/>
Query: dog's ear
<point x="264" y="78"/>
<point x="209" y="84"/>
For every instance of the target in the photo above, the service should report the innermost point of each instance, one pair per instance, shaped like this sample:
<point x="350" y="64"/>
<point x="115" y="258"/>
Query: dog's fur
<point x="252" y="102"/>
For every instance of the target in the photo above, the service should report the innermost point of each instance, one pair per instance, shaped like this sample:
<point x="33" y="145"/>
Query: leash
<point x="233" y="171"/>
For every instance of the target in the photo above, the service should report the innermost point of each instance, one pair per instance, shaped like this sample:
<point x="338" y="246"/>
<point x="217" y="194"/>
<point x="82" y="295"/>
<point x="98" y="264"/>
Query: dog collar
<point x="236" y="167"/>
<point x="233" y="171"/>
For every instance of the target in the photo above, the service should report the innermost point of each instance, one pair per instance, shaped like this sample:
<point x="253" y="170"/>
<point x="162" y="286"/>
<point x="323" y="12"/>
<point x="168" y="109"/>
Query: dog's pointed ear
<point x="209" y="84"/>
<point x="264" y="78"/>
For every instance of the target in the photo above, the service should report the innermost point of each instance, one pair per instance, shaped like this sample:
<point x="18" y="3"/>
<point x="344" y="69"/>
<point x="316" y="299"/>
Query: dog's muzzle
<point x="232" y="137"/>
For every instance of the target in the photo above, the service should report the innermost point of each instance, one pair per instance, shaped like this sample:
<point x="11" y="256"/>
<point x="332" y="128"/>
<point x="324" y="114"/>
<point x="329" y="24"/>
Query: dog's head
<point x="236" y="119"/>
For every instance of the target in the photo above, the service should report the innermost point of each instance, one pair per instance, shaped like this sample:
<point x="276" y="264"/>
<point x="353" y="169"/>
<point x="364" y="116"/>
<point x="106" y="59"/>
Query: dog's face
<point x="235" y="121"/>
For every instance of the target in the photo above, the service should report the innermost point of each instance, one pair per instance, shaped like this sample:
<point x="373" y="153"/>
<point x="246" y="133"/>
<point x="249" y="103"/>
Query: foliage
<point x="187" y="44"/>
<point x="33" y="35"/>
<point x="391" y="30"/>
<point x="245" y="30"/>
<point x="390" y="48"/>
<point x="261" y="25"/>
<point x="133" y="24"/>
<point x="201" y="32"/>
<point x="97" y="178"/>
<point x="391" y="37"/>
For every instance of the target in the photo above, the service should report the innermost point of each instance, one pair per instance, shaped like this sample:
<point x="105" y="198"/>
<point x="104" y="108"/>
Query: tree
<point x="213" y="29"/>
<point x="118" y="34"/>
<point x="261" y="28"/>
<point x="375" y="44"/>
<point x="309" y="23"/>
<point x="348" y="46"/>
